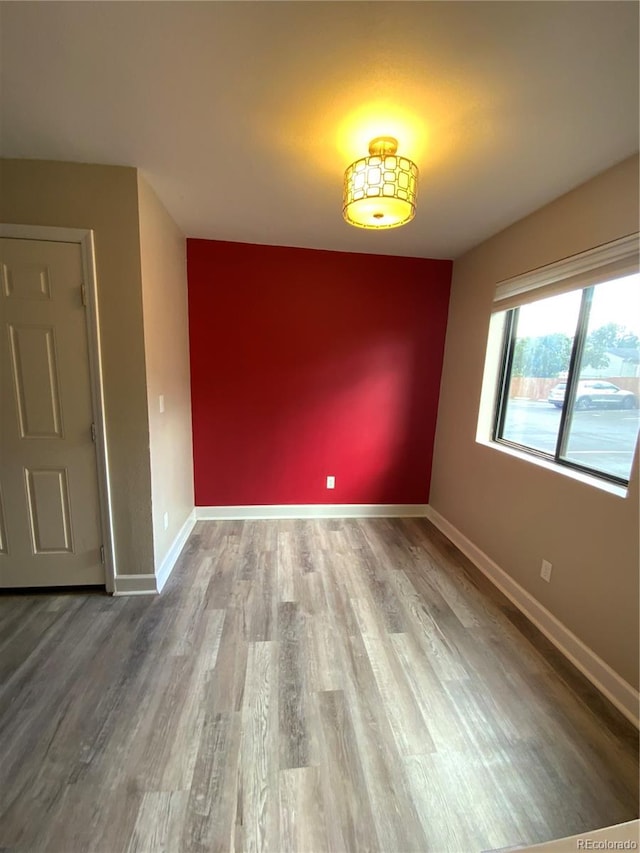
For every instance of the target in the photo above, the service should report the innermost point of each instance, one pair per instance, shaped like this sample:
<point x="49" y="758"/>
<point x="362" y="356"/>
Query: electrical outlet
<point x="331" y="482"/>
<point x="166" y="520"/>
<point x="545" y="571"/>
<point x="161" y="403"/>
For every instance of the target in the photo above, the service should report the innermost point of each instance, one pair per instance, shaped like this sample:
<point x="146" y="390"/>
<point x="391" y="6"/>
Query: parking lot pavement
<point x="603" y="439"/>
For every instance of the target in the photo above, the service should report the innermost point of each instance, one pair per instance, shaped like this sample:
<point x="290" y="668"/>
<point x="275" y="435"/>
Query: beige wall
<point x="105" y="199"/>
<point x="166" y="342"/>
<point x="514" y="511"/>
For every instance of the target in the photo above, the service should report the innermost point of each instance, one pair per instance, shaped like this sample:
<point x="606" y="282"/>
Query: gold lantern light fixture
<point x="380" y="190"/>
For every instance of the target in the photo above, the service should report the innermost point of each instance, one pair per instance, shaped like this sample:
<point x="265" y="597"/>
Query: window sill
<point x="580" y="476"/>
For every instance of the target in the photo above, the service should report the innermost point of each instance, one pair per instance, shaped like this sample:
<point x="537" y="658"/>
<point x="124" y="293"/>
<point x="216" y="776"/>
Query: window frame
<point x="572" y="380"/>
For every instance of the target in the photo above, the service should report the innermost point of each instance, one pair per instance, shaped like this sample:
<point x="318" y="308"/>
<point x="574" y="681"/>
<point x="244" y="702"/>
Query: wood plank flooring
<point x="351" y="685"/>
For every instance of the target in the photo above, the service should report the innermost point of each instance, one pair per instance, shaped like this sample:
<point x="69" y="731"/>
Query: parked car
<point x="594" y="392"/>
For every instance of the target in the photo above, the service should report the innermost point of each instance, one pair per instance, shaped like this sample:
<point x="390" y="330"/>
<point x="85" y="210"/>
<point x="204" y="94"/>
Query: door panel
<point x="3" y="528"/>
<point x="35" y="381"/>
<point x="49" y="515"/>
<point x="50" y="528"/>
<point x="24" y="280"/>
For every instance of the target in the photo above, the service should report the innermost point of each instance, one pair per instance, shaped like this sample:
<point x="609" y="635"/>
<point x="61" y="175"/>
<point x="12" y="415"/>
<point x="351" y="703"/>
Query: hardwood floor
<point x="300" y="686"/>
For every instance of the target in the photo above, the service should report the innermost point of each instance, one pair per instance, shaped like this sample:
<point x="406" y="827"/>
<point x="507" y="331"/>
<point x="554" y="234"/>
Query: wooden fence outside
<point x="535" y="388"/>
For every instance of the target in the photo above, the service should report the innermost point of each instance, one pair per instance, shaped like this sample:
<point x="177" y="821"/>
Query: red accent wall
<point x="306" y="363"/>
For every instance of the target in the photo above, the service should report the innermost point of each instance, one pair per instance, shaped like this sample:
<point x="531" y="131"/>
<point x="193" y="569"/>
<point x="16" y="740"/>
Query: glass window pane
<point x="604" y="421"/>
<point x="543" y="340"/>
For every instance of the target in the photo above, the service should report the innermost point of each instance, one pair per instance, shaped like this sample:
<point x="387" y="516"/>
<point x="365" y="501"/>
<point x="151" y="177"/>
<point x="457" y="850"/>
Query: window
<point x="569" y="371"/>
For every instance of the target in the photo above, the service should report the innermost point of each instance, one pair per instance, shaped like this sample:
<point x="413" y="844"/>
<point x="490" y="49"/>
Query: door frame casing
<point x="84" y="238"/>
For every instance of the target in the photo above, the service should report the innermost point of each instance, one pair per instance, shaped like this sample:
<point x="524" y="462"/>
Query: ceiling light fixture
<point x="380" y="190"/>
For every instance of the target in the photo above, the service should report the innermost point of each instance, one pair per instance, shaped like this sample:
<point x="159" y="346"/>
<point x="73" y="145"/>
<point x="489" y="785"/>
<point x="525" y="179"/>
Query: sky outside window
<point x="620" y="305"/>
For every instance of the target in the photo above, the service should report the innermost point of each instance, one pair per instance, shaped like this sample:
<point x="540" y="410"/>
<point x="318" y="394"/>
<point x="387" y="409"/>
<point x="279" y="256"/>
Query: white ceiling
<point x="244" y="115"/>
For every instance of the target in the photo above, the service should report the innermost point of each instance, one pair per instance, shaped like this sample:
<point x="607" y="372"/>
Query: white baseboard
<point x="600" y="674"/>
<point x="166" y="567"/>
<point x="135" y="585"/>
<point x="219" y="513"/>
<point x="153" y="584"/>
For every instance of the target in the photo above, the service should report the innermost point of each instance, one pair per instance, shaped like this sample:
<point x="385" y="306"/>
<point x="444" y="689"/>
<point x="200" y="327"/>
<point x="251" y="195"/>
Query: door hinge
<point x="93" y="432"/>
<point x="102" y="554"/>
<point x="83" y="294"/>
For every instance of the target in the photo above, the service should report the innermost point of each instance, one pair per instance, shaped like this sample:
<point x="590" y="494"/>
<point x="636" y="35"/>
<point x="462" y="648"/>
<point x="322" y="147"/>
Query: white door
<point x="50" y="530"/>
